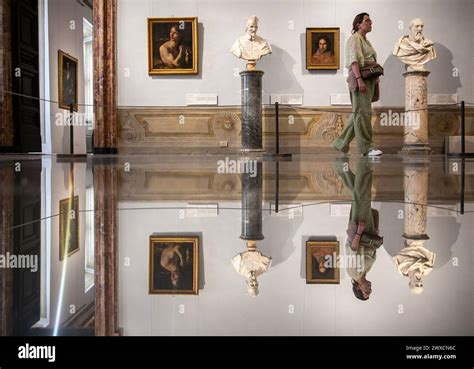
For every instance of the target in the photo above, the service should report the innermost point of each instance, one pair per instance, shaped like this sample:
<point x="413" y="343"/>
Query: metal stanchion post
<point x="277" y="155"/>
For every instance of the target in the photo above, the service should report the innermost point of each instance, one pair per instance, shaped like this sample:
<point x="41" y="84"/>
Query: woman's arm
<point x="356" y="239"/>
<point x="360" y="81"/>
<point x="355" y="242"/>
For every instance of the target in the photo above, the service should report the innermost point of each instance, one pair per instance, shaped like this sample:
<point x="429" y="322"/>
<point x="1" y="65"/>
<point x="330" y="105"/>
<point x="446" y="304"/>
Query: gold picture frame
<point x="322" y="48"/>
<point x="177" y="40"/>
<point x="64" y="217"/>
<point x="317" y="269"/>
<point x="67" y="81"/>
<point x="177" y="271"/>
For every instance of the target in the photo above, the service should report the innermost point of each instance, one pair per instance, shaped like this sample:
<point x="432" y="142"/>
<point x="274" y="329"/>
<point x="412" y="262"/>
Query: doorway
<point x="25" y="79"/>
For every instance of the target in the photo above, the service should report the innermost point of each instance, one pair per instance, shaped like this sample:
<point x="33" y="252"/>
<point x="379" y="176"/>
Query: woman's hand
<point x="361" y="84"/>
<point x="361" y="226"/>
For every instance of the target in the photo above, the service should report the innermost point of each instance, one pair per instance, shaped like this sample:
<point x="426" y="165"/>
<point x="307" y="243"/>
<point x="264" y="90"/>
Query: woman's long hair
<point x="358" y="20"/>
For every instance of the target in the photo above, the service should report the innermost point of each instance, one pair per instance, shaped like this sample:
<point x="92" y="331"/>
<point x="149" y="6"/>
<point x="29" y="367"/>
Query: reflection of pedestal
<point x="415" y="138"/>
<point x="252" y="111"/>
<point x="416" y="197"/>
<point x="252" y="205"/>
<point x="414" y="260"/>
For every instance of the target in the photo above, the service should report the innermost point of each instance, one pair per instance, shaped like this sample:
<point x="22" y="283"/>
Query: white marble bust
<point x="251" y="264"/>
<point x="251" y="47"/>
<point x="414" y="49"/>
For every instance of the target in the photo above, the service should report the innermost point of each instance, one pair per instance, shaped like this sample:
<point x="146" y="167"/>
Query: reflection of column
<point x="252" y="203"/>
<point x="105" y="74"/>
<point x="6" y="120"/>
<point x="106" y="249"/>
<point x="252" y="110"/>
<point x="251" y="263"/>
<point x="6" y="246"/>
<point x="416" y="198"/>
<point x="416" y="113"/>
<point x="414" y="260"/>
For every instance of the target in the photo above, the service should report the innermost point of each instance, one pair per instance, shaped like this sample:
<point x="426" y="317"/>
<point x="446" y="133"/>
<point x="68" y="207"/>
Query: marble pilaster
<point x="105" y="76"/>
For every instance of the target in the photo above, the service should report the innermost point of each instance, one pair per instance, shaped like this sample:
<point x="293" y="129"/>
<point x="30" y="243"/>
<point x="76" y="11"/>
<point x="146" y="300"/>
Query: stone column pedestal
<point x="251" y="111"/>
<point x="252" y="205"/>
<point x="415" y="138"/>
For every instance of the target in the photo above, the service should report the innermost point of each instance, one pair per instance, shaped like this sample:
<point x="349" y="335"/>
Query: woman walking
<point x="359" y="54"/>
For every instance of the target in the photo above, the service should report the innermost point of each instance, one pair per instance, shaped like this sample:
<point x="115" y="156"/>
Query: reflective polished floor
<point x="216" y="245"/>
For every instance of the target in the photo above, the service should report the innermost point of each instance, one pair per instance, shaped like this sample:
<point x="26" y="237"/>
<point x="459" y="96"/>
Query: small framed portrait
<point x="174" y="263"/>
<point x="322" y="262"/>
<point x="322" y="48"/>
<point x="172" y="46"/>
<point x="67" y="81"/>
<point x="68" y="227"/>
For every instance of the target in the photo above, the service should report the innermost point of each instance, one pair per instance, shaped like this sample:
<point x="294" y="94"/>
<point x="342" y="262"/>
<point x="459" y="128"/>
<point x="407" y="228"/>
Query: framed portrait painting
<point x="174" y="263"/>
<point x="68" y="227"/>
<point x="322" y="262"/>
<point x="172" y="46"/>
<point x="322" y="48"/>
<point x="67" y="81"/>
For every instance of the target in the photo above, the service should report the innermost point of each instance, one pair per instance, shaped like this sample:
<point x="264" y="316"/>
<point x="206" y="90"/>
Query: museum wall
<point x="283" y="24"/>
<point x="286" y="304"/>
<point x="70" y="269"/>
<point x="61" y="14"/>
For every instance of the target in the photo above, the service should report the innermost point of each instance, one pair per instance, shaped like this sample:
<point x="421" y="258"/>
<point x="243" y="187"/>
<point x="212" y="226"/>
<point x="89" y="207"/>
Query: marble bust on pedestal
<point x="251" y="47"/>
<point x="414" y="49"/>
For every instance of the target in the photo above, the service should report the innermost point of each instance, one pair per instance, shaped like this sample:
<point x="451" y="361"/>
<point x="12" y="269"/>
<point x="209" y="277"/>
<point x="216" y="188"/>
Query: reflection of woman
<point x="323" y="54"/>
<point x="359" y="53"/>
<point x="363" y="220"/>
<point x="173" y="260"/>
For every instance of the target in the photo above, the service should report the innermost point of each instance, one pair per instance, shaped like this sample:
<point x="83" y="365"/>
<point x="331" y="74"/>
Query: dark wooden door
<point x="26" y="111"/>
<point x="27" y="241"/>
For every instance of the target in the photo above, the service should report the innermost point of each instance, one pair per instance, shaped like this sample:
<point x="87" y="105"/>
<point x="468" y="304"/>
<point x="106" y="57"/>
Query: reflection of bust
<point x="414" y="49"/>
<point x="251" y="264"/>
<point x="415" y="261"/>
<point x="250" y="46"/>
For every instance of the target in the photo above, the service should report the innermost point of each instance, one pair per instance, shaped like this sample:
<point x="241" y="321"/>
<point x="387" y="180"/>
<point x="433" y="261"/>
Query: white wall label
<point x="287" y="99"/>
<point x="201" y="99"/>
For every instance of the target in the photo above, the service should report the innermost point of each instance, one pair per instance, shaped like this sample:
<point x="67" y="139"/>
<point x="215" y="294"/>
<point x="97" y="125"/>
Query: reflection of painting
<point x="322" y="48"/>
<point x="322" y="258"/>
<point x="172" y="46"/>
<point x="67" y="68"/>
<point x="173" y="265"/>
<point x="70" y="235"/>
